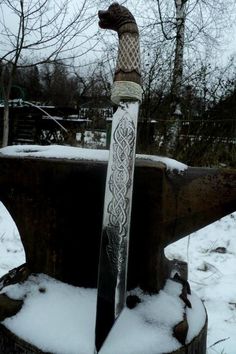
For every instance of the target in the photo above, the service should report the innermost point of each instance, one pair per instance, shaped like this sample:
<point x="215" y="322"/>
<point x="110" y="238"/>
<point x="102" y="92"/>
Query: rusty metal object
<point x="180" y="331"/>
<point x="14" y="276"/>
<point x="178" y="204"/>
<point x="197" y="345"/>
<point x="47" y="198"/>
<point x="9" y="307"/>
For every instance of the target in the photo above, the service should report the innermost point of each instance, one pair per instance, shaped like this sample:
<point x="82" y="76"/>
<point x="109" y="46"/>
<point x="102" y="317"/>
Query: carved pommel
<point x="127" y="80"/>
<point x="115" y="17"/>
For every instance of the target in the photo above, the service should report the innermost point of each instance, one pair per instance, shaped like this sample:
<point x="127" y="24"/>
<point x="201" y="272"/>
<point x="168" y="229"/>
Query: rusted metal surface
<point x="53" y="203"/>
<point x="169" y="206"/>
<point x="197" y="345"/>
<point x="54" y="200"/>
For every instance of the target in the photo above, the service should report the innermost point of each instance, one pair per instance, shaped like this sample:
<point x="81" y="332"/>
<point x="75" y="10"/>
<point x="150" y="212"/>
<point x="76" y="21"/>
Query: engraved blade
<point x="113" y="262"/>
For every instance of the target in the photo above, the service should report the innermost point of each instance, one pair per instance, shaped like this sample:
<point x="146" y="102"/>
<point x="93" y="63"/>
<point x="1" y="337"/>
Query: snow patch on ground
<point x="11" y="249"/>
<point x="211" y="256"/>
<point x="68" y="152"/>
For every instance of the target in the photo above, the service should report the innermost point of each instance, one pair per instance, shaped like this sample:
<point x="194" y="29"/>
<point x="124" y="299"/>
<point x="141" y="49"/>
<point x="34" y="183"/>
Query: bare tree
<point x="179" y="53"/>
<point x="43" y="30"/>
<point x="186" y="25"/>
<point x="177" y="77"/>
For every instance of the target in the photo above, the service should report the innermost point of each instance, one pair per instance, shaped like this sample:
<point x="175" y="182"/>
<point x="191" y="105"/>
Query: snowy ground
<point x="211" y="255"/>
<point x="11" y="249"/>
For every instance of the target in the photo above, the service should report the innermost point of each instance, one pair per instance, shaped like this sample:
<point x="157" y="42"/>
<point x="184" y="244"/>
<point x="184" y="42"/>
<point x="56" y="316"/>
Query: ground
<point x="211" y="255"/>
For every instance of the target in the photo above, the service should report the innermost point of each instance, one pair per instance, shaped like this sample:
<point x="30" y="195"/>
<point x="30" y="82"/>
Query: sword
<point x="127" y="93"/>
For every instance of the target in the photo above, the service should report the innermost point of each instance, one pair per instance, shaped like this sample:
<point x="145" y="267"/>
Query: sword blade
<point x="113" y="262"/>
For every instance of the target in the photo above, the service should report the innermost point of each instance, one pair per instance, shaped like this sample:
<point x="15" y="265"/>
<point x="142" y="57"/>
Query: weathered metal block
<point x="57" y="205"/>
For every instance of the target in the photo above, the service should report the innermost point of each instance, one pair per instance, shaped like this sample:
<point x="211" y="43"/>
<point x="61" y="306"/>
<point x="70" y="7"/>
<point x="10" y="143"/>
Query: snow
<point x="177" y="111"/>
<point x="68" y="152"/>
<point x="212" y="276"/>
<point x="171" y="164"/>
<point x="60" y="318"/>
<point x="11" y="249"/>
<point x="195" y="323"/>
<point x="148" y="328"/>
<point x="55" y="151"/>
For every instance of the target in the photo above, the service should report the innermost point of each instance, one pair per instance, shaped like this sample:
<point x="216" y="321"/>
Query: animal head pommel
<point x="115" y="17"/>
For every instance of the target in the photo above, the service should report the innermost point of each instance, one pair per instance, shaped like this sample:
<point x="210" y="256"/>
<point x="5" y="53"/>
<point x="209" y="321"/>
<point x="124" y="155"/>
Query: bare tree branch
<point x="46" y="31"/>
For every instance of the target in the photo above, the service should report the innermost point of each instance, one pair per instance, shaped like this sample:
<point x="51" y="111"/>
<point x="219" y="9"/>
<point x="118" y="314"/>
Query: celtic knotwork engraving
<point x="120" y="180"/>
<point x="119" y="186"/>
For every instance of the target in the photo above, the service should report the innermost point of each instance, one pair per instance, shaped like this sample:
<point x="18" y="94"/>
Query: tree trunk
<point x="176" y="87"/>
<point x="179" y="53"/>
<point x="6" y="83"/>
<point x="5" y="123"/>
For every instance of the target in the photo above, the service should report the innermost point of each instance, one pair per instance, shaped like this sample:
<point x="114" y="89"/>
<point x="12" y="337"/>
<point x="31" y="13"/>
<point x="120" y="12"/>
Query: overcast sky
<point x="223" y="52"/>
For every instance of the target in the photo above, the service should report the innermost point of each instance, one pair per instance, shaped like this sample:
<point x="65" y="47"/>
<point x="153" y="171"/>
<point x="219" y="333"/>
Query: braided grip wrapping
<point x="126" y="90"/>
